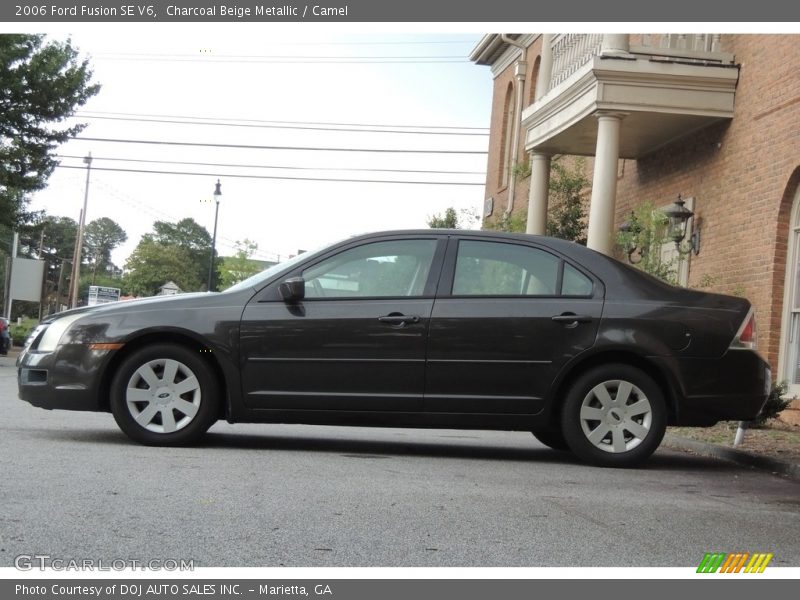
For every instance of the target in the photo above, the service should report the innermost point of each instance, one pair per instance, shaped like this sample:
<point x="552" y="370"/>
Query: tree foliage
<point x="101" y="237"/>
<point x="151" y="265"/>
<point x="176" y="252"/>
<point x="51" y="239"/>
<point x="643" y="240"/>
<point x="448" y="220"/>
<point x="452" y="219"/>
<point x="239" y="267"/>
<point x="42" y="83"/>
<point x="567" y="219"/>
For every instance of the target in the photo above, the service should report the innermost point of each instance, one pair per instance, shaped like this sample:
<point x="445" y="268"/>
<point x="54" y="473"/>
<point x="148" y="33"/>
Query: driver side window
<point x="381" y="269"/>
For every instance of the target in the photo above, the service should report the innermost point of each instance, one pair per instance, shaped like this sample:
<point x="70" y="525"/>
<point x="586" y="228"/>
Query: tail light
<point x="746" y="336"/>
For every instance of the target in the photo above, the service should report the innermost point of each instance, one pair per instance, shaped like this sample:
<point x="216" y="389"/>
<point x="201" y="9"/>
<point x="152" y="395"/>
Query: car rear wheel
<point x="552" y="439"/>
<point x="164" y="395"/>
<point x="614" y="416"/>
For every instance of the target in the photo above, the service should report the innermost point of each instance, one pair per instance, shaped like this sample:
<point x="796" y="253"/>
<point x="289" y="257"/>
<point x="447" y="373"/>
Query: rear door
<point x="507" y="317"/>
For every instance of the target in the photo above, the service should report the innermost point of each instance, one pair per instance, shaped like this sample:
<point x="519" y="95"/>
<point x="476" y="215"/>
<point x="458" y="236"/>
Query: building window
<point x="534" y="80"/>
<point x="507" y="130"/>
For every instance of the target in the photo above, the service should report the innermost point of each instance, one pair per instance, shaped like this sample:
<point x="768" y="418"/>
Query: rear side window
<point x="575" y="283"/>
<point x="502" y="269"/>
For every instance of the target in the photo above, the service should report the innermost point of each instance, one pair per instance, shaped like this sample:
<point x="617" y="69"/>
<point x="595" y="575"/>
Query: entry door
<point x="355" y="342"/>
<point x="790" y="354"/>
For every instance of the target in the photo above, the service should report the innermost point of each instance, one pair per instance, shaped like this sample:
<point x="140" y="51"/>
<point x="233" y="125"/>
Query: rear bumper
<point x="731" y="388"/>
<point x="66" y="379"/>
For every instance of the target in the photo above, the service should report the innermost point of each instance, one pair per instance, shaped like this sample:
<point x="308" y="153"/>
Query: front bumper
<point x="66" y="379"/>
<point x="733" y="387"/>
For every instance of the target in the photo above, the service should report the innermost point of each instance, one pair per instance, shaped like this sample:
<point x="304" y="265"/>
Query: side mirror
<point x="293" y="289"/>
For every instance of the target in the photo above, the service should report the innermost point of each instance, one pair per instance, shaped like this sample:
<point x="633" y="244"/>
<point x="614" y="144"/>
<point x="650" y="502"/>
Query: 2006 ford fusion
<point x="432" y="328"/>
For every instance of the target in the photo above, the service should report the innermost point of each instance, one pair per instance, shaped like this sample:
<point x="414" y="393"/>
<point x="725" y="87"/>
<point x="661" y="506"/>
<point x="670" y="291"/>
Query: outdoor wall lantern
<point x="677" y="220"/>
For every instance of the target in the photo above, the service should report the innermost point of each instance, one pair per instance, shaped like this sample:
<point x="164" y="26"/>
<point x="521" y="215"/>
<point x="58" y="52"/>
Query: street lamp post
<point x="217" y="197"/>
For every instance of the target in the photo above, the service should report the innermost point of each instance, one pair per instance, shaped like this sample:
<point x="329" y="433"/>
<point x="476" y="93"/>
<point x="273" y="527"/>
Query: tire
<point x="614" y="416"/>
<point x="552" y="439"/>
<point x="164" y="395"/>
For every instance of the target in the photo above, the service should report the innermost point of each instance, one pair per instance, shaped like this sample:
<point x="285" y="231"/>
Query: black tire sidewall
<point x="553" y="439"/>
<point x="209" y="395"/>
<point x="570" y="416"/>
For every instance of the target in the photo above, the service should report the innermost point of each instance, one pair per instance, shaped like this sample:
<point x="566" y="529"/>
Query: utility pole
<point x="76" y="263"/>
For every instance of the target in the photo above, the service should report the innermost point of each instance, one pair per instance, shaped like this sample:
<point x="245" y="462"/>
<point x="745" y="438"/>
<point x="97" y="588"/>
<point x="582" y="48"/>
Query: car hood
<point x="126" y="305"/>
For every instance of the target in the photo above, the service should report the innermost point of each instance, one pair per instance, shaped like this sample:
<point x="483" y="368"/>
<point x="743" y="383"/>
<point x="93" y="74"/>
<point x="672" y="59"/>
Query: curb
<point x="740" y="457"/>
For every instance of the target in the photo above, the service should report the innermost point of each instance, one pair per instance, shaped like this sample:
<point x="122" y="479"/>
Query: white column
<point x="615" y="44"/>
<point x="604" y="183"/>
<point x="538" y="195"/>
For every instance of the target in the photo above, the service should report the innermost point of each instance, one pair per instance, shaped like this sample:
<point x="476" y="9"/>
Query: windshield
<point x="255" y="281"/>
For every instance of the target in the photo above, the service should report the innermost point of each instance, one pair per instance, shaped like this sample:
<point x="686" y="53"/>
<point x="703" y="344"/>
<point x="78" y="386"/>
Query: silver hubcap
<point x="616" y="416"/>
<point x="163" y="395"/>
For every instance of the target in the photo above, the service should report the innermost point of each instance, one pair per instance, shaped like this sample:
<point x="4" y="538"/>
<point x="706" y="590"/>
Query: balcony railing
<point x="571" y="51"/>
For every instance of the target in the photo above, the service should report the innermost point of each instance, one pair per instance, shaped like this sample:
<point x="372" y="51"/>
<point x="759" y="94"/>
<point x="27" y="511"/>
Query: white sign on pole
<point x="99" y="294"/>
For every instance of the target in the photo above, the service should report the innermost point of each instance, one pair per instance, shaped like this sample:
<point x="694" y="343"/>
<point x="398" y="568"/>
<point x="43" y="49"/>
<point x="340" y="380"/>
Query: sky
<point x="242" y="86"/>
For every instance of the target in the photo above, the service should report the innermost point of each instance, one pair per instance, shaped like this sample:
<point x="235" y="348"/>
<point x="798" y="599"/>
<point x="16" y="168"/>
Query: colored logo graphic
<point x="737" y="562"/>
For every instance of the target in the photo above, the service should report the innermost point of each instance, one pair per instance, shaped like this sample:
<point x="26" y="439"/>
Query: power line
<point x="283" y="178"/>
<point x="127" y="114"/>
<point x="161" y="215"/>
<point x="303" y="148"/>
<point x="300" y="60"/>
<point x="292" y="168"/>
<point x="302" y="127"/>
<point x="357" y="43"/>
<point x="268" y="56"/>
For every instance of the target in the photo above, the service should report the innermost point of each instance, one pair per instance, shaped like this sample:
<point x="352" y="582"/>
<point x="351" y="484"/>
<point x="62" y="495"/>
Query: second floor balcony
<point x="664" y="86"/>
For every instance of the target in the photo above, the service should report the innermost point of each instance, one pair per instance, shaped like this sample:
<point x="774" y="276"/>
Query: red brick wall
<point x="743" y="175"/>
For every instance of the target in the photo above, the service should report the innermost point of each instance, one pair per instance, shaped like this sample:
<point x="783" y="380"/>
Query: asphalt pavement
<point x="74" y="487"/>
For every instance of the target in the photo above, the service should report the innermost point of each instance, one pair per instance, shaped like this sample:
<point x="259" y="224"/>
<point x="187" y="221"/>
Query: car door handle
<point x="571" y="318"/>
<point x="398" y="319"/>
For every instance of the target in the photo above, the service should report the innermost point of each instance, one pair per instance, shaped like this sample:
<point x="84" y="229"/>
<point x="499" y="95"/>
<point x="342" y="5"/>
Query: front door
<point x="355" y="342"/>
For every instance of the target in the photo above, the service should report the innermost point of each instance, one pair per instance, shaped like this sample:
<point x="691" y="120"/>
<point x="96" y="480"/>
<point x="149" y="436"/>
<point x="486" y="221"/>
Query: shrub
<point x="775" y="403"/>
<point x="20" y="332"/>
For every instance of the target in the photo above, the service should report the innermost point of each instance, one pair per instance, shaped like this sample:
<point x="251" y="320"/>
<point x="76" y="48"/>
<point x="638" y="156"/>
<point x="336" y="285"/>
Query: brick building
<point x="714" y="118"/>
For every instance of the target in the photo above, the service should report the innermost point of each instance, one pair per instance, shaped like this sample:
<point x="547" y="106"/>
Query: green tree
<point x="176" y="252"/>
<point x="452" y="219"/>
<point x="448" y="220"/>
<point x="51" y="239"/>
<point x="192" y="237"/>
<point x="151" y="265"/>
<point x="567" y="219"/>
<point x="101" y="237"/>
<point x="239" y="267"/>
<point x="42" y="83"/>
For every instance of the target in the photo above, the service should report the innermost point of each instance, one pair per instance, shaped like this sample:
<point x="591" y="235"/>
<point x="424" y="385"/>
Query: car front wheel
<point x="614" y="416"/>
<point x="164" y="395"/>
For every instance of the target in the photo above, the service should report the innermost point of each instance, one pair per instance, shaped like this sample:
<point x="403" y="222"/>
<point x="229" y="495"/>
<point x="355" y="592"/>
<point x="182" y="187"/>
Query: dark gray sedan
<point x="430" y="328"/>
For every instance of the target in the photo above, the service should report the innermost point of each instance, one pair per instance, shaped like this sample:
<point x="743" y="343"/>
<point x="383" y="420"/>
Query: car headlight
<point x="56" y="329"/>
